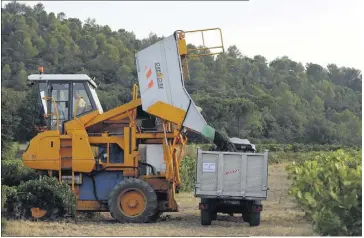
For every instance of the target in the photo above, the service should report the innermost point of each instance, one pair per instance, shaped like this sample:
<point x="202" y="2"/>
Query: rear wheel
<point x="206" y="217"/>
<point x="134" y="201"/>
<point x="254" y="219"/>
<point x="214" y="216"/>
<point x="245" y="217"/>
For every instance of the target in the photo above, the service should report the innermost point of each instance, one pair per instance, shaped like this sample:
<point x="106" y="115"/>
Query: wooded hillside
<point x="281" y="101"/>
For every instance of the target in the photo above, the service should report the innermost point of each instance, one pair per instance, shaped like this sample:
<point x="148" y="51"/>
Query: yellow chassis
<point x="54" y="152"/>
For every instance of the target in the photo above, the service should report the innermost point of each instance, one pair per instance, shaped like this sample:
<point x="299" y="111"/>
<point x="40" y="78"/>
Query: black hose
<point x="188" y="108"/>
<point x="94" y="189"/>
<point x="149" y="165"/>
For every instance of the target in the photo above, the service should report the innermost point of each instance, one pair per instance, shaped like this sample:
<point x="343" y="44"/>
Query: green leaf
<point x="309" y="198"/>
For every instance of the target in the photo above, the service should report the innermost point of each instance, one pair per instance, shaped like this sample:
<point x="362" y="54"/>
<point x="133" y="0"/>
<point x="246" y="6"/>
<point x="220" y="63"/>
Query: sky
<point x="317" y="31"/>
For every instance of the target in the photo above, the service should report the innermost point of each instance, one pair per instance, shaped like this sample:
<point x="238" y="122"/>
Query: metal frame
<point x="173" y="143"/>
<point x="203" y="42"/>
<point x="220" y="177"/>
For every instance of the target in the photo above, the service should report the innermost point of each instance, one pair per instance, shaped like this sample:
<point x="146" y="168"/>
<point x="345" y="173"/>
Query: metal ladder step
<point x="66" y="146"/>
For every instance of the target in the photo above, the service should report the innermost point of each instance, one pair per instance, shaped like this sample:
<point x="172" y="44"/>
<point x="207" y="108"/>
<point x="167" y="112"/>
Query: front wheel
<point x="134" y="201"/>
<point x="214" y="216"/>
<point x="206" y="217"/>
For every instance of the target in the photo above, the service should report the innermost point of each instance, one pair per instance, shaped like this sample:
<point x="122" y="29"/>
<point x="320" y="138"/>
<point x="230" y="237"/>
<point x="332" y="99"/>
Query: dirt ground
<point x="280" y="217"/>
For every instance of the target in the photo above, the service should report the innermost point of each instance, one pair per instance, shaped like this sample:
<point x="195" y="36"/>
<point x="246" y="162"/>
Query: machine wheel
<point x="134" y="201"/>
<point x="254" y="219"/>
<point x="206" y="217"/>
<point x="38" y="213"/>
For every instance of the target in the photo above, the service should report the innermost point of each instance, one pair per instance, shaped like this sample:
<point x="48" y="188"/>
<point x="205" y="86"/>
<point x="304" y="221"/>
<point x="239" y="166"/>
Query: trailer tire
<point x="245" y="217"/>
<point x="206" y="217"/>
<point x="133" y="201"/>
<point x="254" y="219"/>
<point x="214" y="216"/>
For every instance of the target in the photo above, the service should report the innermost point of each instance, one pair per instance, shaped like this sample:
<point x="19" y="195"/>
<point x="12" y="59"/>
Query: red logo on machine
<point x="231" y="171"/>
<point x="150" y="84"/>
<point x="147" y="75"/>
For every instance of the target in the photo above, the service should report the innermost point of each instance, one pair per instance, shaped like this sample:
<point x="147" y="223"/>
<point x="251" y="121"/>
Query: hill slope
<point x="280" y="101"/>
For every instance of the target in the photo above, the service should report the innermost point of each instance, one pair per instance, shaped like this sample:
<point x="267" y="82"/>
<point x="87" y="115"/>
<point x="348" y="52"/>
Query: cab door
<point x="60" y="93"/>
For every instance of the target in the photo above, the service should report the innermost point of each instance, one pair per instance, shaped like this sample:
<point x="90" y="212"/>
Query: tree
<point x="29" y="50"/>
<point x="20" y="78"/>
<point x="38" y="9"/>
<point x="61" y="16"/>
<point x="281" y="101"/>
<point x="10" y="119"/>
<point x="233" y="52"/>
<point x="30" y="113"/>
<point x="88" y="45"/>
<point x="6" y="73"/>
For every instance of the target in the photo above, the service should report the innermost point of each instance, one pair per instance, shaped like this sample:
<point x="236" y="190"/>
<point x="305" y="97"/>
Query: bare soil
<point x="280" y="217"/>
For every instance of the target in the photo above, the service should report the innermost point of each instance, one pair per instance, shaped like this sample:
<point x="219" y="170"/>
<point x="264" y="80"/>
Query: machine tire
<point x="206" y="217"/>
<point x="140" y="189"/>
<point x="254" y="219"/>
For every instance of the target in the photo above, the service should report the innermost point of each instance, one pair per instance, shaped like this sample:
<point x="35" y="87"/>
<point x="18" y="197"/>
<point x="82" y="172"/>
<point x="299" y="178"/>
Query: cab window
<point x="81" y="100"/>
<point x="58" y="105"/>
<point x="43" y="92"/>
<point x="96" y="98"/>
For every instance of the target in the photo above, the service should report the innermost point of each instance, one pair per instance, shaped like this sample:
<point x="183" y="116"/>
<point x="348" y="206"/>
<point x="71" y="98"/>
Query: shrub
<point x="5" y="193"/>
<point x="9" y="151"/>
<point x="328" y="188"/>
<point x="295" y="147"/>
<point x="188" y="173"/>
<point x="191" y="149"/>
<point x="273" y="158"/>
<point x="13" y="172"/>
<point x="188" y="165"/>
<point x="48" y="194"/>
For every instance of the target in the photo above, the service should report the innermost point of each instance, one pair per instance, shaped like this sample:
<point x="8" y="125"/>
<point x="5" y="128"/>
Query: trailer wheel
<point x="206" y="217"/>
<point x="245" y="217"/>
<point x="134" y="201"/>
<point x="254" y="219"/>
<point x="214" y="216"/>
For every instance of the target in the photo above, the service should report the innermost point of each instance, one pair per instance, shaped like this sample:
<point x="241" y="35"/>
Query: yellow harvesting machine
<point x="125" y="160"/>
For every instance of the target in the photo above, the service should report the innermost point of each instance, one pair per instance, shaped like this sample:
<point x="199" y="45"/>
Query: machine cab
<point x="65" y="96"/>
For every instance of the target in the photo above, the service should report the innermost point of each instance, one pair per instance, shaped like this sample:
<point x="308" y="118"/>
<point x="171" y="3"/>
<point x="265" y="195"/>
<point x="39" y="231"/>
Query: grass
<point x="280" y="217"/>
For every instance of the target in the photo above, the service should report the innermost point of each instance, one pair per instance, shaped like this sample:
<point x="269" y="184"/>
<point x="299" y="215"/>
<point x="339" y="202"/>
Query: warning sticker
<point x="209" y="167"/>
